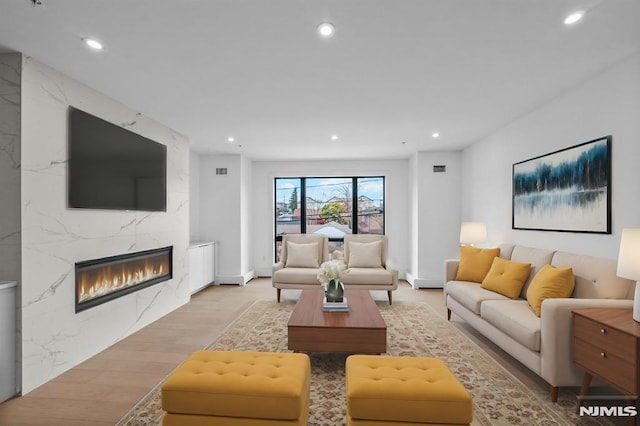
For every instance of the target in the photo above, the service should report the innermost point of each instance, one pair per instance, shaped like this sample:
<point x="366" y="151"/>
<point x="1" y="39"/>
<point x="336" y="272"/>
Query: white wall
<point x="608" y="104"/>
<point x="436" y="223"/>
<point x="194" y="196"/>
<point x="221" y="217"/>
<point x="397" y="225"/>
<point x="246" y="213"/>
<point x="54" y="237"/>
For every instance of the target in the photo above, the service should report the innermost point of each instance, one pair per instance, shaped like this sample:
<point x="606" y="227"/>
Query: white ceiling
<point x="395" y="72"/>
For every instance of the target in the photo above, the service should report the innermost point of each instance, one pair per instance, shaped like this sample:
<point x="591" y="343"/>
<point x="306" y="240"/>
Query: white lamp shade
<point x="473" y="232"/>
<point x="629" y="256"/>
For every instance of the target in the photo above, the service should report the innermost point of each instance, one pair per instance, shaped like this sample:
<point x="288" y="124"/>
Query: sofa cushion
<point x="595" y="277"/>
<point x="506" y="277"/>
<point x="376" y="276"/>
<point x="536" y="257"/>
<point x="475" y="263"/>
<point x="514" y="318"/>
<point x="302" y="255"/>
<point x="549" y="282"/>
<point x="365" y="255"/>
<point x="471" y="295"/>
<point x="297" y="276"/>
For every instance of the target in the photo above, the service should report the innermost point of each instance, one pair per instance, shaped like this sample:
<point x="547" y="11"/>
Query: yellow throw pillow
<point x="475" y="263"/>
<point x="550" y="282"/>
<point x="506" y="277"/>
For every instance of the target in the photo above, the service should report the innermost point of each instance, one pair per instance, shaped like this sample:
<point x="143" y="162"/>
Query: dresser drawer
<point x="599" y="361"/>
<point x="613" y="341"/>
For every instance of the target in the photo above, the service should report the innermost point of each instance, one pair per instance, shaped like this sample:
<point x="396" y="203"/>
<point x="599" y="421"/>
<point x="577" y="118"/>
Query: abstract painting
<point x="567" y="190"/>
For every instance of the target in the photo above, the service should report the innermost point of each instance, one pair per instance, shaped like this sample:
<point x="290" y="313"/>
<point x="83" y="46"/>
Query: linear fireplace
<point x="101" y="280"/>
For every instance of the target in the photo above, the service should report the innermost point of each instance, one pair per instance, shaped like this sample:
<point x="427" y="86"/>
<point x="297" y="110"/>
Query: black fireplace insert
<point x="101" y="280"/>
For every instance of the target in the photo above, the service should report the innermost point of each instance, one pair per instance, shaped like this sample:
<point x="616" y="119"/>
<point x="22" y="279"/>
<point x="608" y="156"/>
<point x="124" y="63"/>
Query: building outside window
<point x="325" y="205"/>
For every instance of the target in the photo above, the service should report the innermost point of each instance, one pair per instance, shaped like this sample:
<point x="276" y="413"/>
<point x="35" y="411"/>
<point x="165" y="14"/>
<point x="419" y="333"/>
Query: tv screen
<point x="111" y="167"/>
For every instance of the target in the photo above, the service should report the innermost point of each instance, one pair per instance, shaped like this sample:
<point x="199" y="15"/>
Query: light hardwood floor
<point x="101" y="390"/>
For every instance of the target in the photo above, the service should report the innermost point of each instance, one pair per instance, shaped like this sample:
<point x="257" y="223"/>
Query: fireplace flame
<point x="108" y="278"/>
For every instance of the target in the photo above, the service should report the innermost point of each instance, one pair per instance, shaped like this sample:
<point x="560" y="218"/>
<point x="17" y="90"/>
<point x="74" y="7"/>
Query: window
<point x="325" y="206"/>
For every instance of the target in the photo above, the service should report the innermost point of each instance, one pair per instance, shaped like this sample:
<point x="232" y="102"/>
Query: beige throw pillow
<point x="302" y="255"/>
<point x="365" y="255"/>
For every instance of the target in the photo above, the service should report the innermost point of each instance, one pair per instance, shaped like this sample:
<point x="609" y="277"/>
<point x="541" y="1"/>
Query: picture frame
<point x="568" y="190"/>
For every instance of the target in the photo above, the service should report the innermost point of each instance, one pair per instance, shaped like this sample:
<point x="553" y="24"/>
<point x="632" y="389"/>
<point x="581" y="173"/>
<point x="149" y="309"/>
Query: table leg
<point x="584" y="390"/>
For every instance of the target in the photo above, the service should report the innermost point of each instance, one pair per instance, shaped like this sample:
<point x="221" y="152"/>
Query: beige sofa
<point x="364" y="254"/>
<point x="543" y="344"/>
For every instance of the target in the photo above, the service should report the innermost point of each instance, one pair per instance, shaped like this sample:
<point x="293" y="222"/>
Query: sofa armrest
<point x="450" y="269"/>
<point x="556" y="334"/>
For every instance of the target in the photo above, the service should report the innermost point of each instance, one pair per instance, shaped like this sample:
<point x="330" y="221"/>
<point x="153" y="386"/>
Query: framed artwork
<point x="567" y="190"/>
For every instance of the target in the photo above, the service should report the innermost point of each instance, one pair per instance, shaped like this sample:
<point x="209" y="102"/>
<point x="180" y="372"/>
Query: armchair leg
<point x="278" y="294"/>
<point x="554" y="393"/>
<point x="390" y="298"/>
<point x="448" y="314"/>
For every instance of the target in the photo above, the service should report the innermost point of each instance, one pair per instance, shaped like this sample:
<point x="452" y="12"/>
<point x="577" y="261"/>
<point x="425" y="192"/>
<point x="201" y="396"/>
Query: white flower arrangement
<point x="332" y="271"/>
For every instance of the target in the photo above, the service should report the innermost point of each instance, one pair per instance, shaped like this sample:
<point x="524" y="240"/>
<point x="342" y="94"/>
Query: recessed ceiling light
<point x="231" y="139"/>
<point x="574" y="17"/>
<point x="93" y="43"/>
<point x="326" y="30"/>
<point x="435" y="135"/>
<point x="334" y="137"/>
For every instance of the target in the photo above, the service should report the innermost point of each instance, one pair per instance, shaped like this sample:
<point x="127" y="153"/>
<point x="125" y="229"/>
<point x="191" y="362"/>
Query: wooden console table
<point x="606" y="343"/>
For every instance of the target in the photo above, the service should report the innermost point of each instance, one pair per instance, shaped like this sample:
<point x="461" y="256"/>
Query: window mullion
<point x="303" y="205"/>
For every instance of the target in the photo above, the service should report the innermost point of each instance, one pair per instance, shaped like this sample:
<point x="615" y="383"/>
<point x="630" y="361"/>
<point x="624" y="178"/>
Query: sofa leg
<point x="448" y="314"/>
<point x="278" y="294"/>
<point x="390" y="299"/>
<point x="554" y="393"/>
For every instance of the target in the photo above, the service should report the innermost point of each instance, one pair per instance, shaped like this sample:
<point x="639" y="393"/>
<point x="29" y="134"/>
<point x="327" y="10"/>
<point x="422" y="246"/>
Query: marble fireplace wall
<point x="10" y="75"/>
<point x="54" y="237"/>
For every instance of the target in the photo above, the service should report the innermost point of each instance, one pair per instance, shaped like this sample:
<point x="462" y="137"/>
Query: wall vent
<point x="221" y="170"/>
<point x="439" y="168"/>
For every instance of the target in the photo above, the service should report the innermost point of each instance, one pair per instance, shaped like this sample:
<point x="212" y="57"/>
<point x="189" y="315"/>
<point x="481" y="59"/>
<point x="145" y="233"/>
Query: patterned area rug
<point x="413" y="329"/>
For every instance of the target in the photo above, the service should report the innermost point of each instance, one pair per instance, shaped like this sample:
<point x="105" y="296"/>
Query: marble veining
<point x="49" y="291"/>
<point x="54" y="237"/>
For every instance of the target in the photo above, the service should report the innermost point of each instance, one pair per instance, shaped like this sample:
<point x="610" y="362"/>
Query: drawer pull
<point x="603" y="331"/>
<point x="603" y="354"/>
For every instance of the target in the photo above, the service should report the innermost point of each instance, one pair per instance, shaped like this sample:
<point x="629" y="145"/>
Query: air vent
<point x="221" y="170"/>
<point x="439" y="168"/>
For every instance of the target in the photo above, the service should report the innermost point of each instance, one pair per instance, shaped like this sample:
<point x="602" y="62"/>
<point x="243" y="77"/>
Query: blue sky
<point x="322" y="189"/>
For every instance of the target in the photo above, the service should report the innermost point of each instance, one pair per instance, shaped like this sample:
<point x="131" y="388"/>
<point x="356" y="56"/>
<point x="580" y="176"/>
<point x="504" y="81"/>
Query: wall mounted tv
<point x="111" y="167"/>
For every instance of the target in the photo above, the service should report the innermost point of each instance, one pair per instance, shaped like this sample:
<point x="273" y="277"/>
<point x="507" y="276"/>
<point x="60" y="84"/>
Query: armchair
<point x="366" y="258"/>
<point x="300" y="259"/>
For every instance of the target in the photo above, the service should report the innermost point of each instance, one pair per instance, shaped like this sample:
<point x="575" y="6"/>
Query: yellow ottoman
<point x="238" y="388"/>
<point x="387" y="390"/>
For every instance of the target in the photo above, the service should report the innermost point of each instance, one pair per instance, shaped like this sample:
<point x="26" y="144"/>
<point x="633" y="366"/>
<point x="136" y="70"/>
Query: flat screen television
<point x="111" y="167"/>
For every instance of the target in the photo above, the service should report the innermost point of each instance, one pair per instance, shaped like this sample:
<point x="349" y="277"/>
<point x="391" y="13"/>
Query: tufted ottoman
<point x="238" y="388"/>
<point x="388" y="390"/>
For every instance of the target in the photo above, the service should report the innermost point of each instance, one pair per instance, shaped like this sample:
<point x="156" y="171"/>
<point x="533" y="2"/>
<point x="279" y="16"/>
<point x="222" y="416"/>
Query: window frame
<point x="303" y="207"/>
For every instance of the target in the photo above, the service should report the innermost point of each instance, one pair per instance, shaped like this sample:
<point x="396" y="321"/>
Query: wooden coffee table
<point x="361" y="330"/>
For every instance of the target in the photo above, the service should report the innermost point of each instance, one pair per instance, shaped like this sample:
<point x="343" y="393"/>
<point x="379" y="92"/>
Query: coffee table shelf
<point x="360" y="330"/>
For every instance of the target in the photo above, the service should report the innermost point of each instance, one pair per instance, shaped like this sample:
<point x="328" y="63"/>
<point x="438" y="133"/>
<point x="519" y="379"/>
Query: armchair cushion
<point x="302" y="255"/>
<point x="365" y="255"/>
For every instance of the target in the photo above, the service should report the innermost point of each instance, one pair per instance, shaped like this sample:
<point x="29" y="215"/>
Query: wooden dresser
<point x="606" y="343"/>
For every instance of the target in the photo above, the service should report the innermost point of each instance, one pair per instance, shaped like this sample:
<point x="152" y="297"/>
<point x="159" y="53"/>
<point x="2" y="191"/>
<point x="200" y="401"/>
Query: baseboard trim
<point x="417" y="283"/>
<point x="240" y="280"/>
